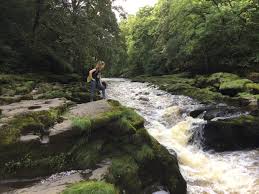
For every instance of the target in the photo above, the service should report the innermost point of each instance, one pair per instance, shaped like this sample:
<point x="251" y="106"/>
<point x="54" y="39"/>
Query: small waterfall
<point x="167" y="120"/>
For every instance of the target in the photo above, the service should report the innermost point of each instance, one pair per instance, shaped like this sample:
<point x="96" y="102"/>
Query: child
<point x="95" y="80"/>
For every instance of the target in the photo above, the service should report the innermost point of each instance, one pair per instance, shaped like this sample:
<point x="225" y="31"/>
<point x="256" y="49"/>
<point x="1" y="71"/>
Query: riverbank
<point x="44" y="131"/>
<point x="215" y="88"/>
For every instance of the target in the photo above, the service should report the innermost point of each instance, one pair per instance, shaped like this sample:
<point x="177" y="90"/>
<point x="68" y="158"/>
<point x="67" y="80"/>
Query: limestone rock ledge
<point x="82" y="136"/>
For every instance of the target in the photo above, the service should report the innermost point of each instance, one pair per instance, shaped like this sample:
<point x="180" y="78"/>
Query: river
<point x="167" y="120"/>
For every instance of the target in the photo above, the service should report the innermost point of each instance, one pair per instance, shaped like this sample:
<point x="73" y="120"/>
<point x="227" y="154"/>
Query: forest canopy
<point x="63" y="36"/>
<point x="200" y="36"/>
<point x="57" y="35"/>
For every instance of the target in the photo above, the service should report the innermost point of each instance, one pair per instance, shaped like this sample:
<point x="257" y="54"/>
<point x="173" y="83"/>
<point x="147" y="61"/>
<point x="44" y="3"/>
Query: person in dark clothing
<point x="95" y="80"/>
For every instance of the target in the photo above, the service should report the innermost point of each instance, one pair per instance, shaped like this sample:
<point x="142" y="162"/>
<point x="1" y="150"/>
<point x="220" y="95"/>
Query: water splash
<point x="168" y="121"/>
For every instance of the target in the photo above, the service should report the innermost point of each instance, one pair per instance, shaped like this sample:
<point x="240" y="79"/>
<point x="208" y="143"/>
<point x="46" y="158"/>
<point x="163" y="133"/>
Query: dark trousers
<point x="96" y="85"/>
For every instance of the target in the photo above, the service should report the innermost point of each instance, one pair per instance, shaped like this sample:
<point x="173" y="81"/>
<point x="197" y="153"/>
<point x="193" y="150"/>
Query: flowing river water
<point x="167" y="120"/>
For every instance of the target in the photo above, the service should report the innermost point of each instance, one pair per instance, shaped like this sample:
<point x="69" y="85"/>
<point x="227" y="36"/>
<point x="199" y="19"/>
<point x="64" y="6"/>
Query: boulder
<point x="254" y="76"/>
<point x="232" y="134"/>
<point x="215" y="111"/>
<point x="233" y="87"/>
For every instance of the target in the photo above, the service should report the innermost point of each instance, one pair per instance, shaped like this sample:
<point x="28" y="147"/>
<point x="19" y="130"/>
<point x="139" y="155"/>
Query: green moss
<point x="86" y="154"/>
<point x="44" y="88"/>
<point x="217" y="78"/>
<point x="9" y="100"/>
<point x="145" y="153"/>
<point x="243" y="120"/>
<point x="238" y="84"/>
<point x="248" y="96"/>
<point x="53" y="94"/>
<point x="30" y="167"/>
<point x="218" y="87"/>
<point x="124" y="174"/>
<point x="114" y="103"/>
<point x="82" y="123"/>
<point x="25" y="87"/>
<point x="117" y="134"/>
<point x="253" y="88"/>
<point x="35" y="122"/>
<point x="91" y="188"/>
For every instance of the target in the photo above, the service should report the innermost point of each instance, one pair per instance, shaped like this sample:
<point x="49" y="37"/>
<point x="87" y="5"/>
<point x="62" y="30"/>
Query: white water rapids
<point x="167" y="120"/>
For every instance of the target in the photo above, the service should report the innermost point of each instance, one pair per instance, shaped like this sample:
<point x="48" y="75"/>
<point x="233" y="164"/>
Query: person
<point x="95" y="80"/>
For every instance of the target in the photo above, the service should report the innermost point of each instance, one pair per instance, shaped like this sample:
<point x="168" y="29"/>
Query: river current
<point x="167" y="120"/>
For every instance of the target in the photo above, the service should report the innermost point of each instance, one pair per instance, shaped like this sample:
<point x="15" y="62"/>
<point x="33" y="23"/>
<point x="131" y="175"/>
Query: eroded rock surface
<point x="58" y="182"/>
<point x="90" y="109"/>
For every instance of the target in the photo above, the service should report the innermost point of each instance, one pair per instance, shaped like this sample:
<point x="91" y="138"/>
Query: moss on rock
<point x="232" y="134"/>
<point x="254" y="76"/>
<point x="215" y="88"/>
<point x="124" y="173"/>
<point x="253" y="88"/>
<point x="233" y="87"/>
<point x="91" y="187"/>
<point x="117" y="134"/>
<point x="32" y="122"/>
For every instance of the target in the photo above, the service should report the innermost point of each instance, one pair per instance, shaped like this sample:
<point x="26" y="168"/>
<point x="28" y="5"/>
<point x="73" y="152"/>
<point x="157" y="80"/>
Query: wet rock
<point x="231" y="134"/>
<point x="102" y="170"/>
<point x="29" y="138"/>
<point x="145" y="99"/>
<point x="213" y="111"/>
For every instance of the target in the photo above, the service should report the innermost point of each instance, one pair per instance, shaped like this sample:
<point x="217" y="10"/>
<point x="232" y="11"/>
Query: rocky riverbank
<point x="43" y="135"/>
<point x="230" y="107"/>
<point x="215" y="88"/>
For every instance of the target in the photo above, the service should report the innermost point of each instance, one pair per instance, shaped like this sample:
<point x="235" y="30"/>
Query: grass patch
<point x="82" y="123"/>
<point x="91" y="187"/>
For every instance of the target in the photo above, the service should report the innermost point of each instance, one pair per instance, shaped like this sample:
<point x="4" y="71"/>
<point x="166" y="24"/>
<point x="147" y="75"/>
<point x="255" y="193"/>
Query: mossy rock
<point x="25" y="87"/>
<point x="124" y="174"/>
<point x="254" y="76"/>
<point x="31" y="122"/>
<point x="91" y="187"/>
<point x="253" y="88"/>
<point x="86" y="154"/>
<point x="232" y="134"/>
<point x="248" y="96"/>
<point x="233" y="87"/>
<point x="8" y="100"/>
<point x="217" y="78"/>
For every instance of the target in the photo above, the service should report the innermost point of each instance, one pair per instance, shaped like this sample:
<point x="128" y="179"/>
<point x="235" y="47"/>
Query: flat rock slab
<point x="29" y="138"/>
<point x="60" y="128"/>
<point x="58" y="182"/>
<point x="65" y="131"/>
<point x="26" y="106"/>
<point x="90" y="109"/>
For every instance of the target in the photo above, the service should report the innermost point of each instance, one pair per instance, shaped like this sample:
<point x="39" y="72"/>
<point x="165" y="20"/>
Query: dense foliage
<point x="57" y="35"/>
<point x="201" y="36"/>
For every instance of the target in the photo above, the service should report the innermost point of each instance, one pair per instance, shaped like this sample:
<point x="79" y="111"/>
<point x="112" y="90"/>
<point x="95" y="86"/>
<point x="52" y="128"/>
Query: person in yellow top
<point x="94" y="78"/>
